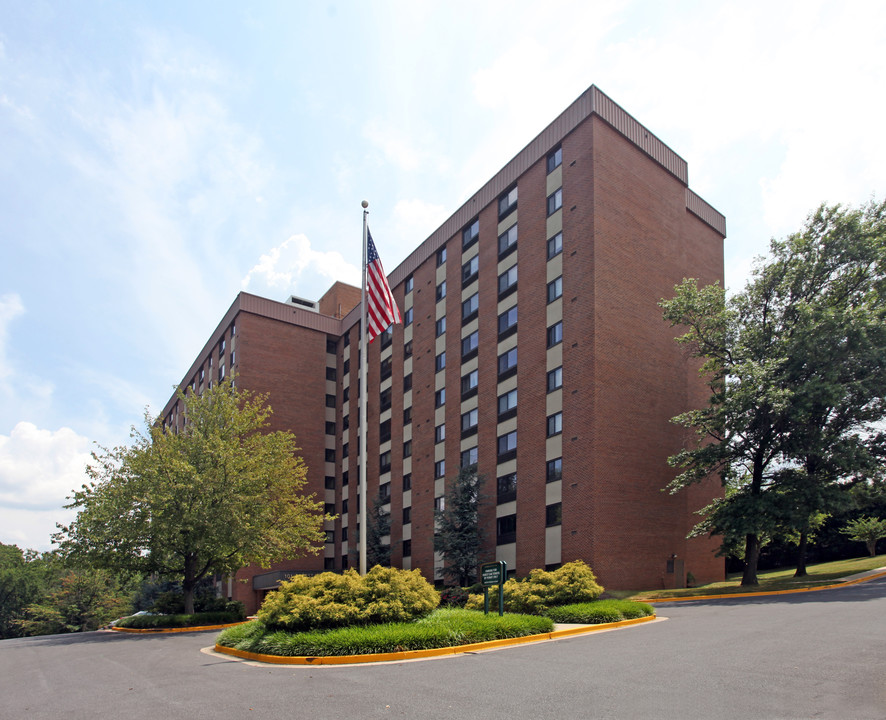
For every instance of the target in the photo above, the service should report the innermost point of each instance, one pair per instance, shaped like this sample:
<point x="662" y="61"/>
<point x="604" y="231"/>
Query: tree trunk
<point x="872" y="547"/>
<point x="801" y="555"/>
<point x="189" y="583"/>
<point x="751" y="557"/>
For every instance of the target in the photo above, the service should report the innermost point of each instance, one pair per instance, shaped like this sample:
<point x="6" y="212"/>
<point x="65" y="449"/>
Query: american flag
<point x="381" y="308"/>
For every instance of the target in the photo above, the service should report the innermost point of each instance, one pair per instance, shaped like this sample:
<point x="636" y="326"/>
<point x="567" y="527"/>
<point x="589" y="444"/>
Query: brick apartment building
<point x="532" y="345"/>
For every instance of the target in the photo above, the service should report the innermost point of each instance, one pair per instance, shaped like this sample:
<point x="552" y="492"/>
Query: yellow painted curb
<point x="197" y="628"/>
<point x="762" y="594"/>
<point x="433" y="652"/>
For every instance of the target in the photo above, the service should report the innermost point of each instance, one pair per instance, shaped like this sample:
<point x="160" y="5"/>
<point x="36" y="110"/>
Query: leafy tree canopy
<point x="209" y="497"/>
<point x="796" y="367"/>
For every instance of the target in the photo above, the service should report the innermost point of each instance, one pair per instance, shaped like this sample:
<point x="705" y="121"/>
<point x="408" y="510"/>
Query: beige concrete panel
<point x="407" y="465"/>
<point x="508" y="302"/>
<point x="554" y="402"/>
<point x="439" y="487"/>
<point x="470" y="327"/>
<point x="554" y="179"/>
<point x="330" y="414"/>
<point x="507" y="385"/>
<point x="439" y="452"/>
<point x="407" y="532"/>
<point x="508" y="553"/>
<point x="555" y="312"/>
<point x="440" y="344"/>
<point x="555" y="267"/>
<point x="441" y="273"/>
<point x="407" y="563"/>
<point x="508" y="221"/>
<point x="507" y="262"/>
<point x="555" y="356"/>
<point x="331" y="388"/>
<point x="407" y="366"/>
<point x="407" y="498"/>
<point x="506" y="468"/>
<point x="554" y="447"/>
<point x="440" y="380"/>
<point x="510" y="424"/>
<point x="508" y="508"/>
<point x="555" y="223"/>
<point x="471" y="251"/>
<point x="407" y="399"/>
<point x="439" y="416"/>
<point x="553" y="544"/>
<point x="440" y="310"/>
<point x="554" y="492"/>
<point x="508" y="343"/>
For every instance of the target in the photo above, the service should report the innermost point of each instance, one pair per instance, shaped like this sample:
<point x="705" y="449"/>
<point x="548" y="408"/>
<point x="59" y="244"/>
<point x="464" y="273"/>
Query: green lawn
<point x="818" y="575"/>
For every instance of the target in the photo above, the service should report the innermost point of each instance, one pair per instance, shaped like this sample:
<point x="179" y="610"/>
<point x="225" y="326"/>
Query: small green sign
<point x="493" y="573"/>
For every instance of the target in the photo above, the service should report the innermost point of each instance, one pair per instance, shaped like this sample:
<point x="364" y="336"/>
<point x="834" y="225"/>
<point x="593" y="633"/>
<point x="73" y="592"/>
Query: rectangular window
<point x="470" y="271"/>
<point x="469" y="345"/>
<point x="346" y="422"/>
<point x="507" y="241"/>
<point x="330" y="428"/>
<point x="440" y="361"/>
<point x="507" y="282"/>
<point x="441" y="326"/>
<point x="440" y="469"/>
<point x="386" y="368"/>
<point x="407" y="415"/>
<point x="330" y="373"/>
<point x="555" y="159"/>
<point x="407" y="515"/>
<point x="555" y="289"/>
<point x="507" y="363"/>
<point x="331" y="346"/>
<point x="346" y="394"/>
<point x="555" y="334"/>
<point x="553" y="515"/>
<point x="344" y="478"/>
<point x="408" y="284"/>
<point x="507" y="203"/>
<point x="439" y="504"/>
<point x="407" y="317"/>
<point x="507" y="323"/>
<point x="554" y="470"/>
<point x="407" y="350"/>
<point x="344" y="506"/>
<point x="506" y="530"/>
<point x="330" y="401"/>
<point x="330" y="455"/>
<point x="555" y="201"/>
<point x="555" y="424"/>
<point x="329" y="482"/>
<point x="507" y="405"/>
<point x="507" y="488"/>
<point x="387" y="337"/>
<point x="346" y="366"/>
<point x="440" y="398"/>
<point x="440" y="433"/>
<point x="469" y="422"/>
<point x="441" y="256"/>
<point x="347" y="341"/>
<point x="384" y="400"/>
<point x="407" y="548"/>
<point x="407" y="449"/>
<point x="555" y="379"/>
<point x="384" y="462"/>
<point x="345" y="449"/>
<point x="469" y="308"/>
<point x="469" y="384"/>
<point x="407" y="383"/>
<point x="384" y="431"/>
<point x="441" y="290"/>
<point x="384" y="492"/>
<point x="407" y="482"/>
<point x="330" y="537"/>
<point x="507" y="446"/>
<point x="469" y="457"/>
<point x="329" y="508"/>
<point x="470" y="234"/>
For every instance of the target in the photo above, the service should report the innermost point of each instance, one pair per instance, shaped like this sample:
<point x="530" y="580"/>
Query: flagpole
<point x="362" y="398"/>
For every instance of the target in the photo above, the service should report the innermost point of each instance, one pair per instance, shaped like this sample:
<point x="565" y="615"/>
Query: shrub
<point x="601" y="611"/>
<point x="453" y="597"/>
<point x="181" y="620"/>
<point x="331" y="600"/>
<point x="572" y="583"/>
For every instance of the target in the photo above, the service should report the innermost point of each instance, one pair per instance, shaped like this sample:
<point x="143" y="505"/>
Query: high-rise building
<point x="532" y="346"/>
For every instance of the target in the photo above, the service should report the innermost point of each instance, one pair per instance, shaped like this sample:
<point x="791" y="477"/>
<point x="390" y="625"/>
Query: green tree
<point x="82" y="600"/>
<point x="24" y="579"/>
<point x="211" y="497"/>
<point x="867" y="530"/>
<point x="795" y="365"/>
<point x="459" y="535"/>
<point x="378" y="527"/>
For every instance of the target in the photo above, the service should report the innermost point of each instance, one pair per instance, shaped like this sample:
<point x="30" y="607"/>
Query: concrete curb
<point x="862" y="577"/>
<point x="433" y="652"/>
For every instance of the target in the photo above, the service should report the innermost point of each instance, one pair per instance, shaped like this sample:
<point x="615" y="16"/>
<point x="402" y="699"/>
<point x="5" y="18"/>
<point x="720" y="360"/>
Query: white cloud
<point x="38" y="470"/>
<point x="292" y="268"/>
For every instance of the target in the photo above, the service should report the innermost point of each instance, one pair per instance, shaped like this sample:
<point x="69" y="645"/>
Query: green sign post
<point x="494" y="573"/>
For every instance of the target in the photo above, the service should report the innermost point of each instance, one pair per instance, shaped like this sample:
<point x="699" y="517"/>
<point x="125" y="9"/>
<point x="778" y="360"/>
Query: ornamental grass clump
<point x="574" y="582"/>
<point x="330" y="600"/>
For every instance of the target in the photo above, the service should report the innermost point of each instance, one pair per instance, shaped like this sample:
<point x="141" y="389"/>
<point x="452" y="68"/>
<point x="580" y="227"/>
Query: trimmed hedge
<point x="157" y="622"/>
<point x="574" y="582"/>
<point x="331" y="600"/>
<point x="600" y="611"/>
<point x="443" y="628"/>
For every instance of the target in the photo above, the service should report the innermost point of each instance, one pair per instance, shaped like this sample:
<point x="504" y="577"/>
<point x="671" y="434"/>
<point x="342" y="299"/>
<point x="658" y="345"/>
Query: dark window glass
<point x="507" y="203"/>
<point x="440" y="361"/>
<point x="469" y="344"/>
<point x="554" y="470"/>
<point x="555" y="424"/>
<point x="408" y="284"/>
<point x="470" y="270"/>
<point x="469" y="308"/>
<point x="440" y="326"/>
<point x="441" y="256"/>
<point x="553" y="515"/>
<point x="555" y="379"/>
<point x="555" y="289"/>
<point x="555" y="334"/>
<point x="506" y="529"/>
<point x="507" y="241"/>
<point x="441" y="290"/>
<point x="507" y="488"/>
<point x="507" y="362"/>
<point x="507" y="281"/>
<point x="469" y="457"/>
<point x="555" y="159"/>
<point x="555" y="201"/>
<point x="507" y="322"/>
<point x="470" y="234"/>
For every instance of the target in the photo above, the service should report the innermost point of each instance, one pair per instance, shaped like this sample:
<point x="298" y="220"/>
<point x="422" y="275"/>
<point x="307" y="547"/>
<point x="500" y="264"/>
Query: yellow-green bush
<point x="331" y="600"/>
<point x="574" y="582"/>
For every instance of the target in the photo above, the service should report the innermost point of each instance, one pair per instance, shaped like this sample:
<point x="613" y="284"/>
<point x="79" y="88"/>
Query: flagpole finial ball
<point x="365" y="204"/>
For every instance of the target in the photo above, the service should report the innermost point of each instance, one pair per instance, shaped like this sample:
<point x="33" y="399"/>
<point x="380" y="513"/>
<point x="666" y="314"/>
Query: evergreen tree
<point x="459" y="535"/>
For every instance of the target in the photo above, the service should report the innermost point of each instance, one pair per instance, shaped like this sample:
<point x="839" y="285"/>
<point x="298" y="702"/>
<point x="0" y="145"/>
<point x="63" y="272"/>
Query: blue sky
<point x="157" y="158"/>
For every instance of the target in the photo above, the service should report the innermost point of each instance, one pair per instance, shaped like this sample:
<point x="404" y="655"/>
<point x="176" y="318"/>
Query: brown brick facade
<point x="628" y="237"/>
